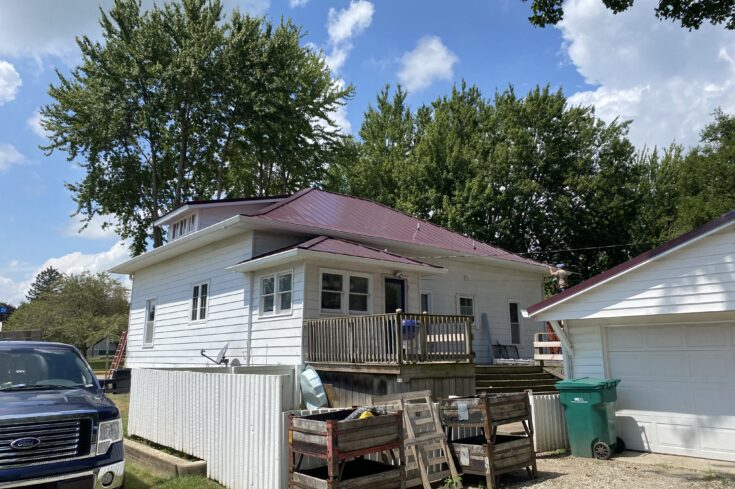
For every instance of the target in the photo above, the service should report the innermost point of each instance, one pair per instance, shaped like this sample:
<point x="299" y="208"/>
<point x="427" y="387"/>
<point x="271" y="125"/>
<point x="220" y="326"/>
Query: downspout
<point x="250" y="317"/>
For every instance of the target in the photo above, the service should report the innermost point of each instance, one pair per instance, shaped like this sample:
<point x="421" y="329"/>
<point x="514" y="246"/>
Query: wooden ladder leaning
<point x="119" y="357"/>
<point x="428" y="458"/>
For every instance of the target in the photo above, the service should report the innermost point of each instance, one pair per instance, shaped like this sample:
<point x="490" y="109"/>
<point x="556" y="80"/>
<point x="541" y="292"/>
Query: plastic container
<point x="589" y="408"/>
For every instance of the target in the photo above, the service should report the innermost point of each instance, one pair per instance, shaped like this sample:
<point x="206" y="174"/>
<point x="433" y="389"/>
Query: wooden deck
<point x="389" y="340"/>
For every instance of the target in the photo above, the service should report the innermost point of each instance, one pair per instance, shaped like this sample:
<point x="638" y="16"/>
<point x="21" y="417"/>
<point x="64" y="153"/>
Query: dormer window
<point x="184" y="226"/>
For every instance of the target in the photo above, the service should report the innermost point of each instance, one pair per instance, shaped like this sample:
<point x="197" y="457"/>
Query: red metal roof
<point x="648" y="255"/>
<point x="325" y="244"/>
<point x="319" y="209"/>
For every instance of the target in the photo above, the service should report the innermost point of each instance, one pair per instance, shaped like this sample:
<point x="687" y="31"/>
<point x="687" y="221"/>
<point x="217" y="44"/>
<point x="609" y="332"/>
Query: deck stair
<point x="496" y="379"/>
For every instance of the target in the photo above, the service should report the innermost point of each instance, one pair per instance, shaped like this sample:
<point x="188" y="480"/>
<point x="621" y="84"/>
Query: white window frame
<point x="345" y="293"/>
<point x="184" y="226"/>
<point x="148" y="302"/>
<point x="519" y="323"/>
<point x="199" y="318"/>
<point x="474" y="304"/>
<point x="430" y="301"/>
<point x="277" y="311"/>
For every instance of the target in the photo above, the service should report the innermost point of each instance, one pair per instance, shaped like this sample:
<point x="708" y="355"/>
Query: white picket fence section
<point x="232" y="419"/>
<point x="549" y="424"/>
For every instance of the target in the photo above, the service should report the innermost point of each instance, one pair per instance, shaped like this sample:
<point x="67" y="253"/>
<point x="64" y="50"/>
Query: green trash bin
<point x="589" y="408"/>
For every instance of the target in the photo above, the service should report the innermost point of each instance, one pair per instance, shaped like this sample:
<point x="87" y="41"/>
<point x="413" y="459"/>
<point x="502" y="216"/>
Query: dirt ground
<point x="563" y="471"/>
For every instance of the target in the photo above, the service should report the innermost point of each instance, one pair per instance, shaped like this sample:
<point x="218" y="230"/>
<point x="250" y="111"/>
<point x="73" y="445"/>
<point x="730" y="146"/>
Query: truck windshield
<point x="35" y="368"/>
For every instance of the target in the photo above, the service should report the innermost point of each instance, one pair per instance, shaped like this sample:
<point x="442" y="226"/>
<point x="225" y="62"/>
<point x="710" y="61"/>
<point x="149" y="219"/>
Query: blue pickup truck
<point x="57" y="428"/>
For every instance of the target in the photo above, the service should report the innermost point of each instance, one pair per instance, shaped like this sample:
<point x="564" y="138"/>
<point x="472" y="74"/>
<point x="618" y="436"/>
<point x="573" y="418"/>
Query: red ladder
<point x="119" y="357"/>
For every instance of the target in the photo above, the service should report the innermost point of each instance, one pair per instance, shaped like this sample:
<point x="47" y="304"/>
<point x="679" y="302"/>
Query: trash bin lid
<point x="586" y="384"/>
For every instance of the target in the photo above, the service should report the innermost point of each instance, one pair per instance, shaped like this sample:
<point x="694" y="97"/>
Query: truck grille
<point x="44" y="442"/>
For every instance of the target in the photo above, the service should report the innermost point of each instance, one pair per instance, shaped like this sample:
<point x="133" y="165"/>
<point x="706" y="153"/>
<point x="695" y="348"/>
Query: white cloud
<point x="94" y="229"/>
<point x="14" y="291"/>
<point x="10" y="82"/>
<point x="667" y="79"/>
<point x="34" y="122"/>
<point x="297" y="3"/>
<point x="343" y="25"/>
<point x="431" y="60"/>
<point x="48" y="27"/>
<point x="9" y="156"/>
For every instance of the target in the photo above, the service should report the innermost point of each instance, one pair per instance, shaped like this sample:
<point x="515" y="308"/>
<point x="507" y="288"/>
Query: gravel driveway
<point x="570" y="472"/>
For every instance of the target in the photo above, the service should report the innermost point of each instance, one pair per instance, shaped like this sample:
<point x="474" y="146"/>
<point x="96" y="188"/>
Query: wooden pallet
<point x="428" y="458"/>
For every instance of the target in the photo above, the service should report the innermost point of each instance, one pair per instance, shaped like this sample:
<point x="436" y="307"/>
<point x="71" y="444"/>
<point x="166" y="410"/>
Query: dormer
<point x="183" y="226"/>
<point x="197" y="215"/>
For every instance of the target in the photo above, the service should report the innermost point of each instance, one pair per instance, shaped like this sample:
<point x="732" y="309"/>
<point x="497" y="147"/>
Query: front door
<point x="395" y="295"/>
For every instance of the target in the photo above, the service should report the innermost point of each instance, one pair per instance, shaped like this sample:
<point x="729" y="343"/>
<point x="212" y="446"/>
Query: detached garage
<point x="663" y="323"/>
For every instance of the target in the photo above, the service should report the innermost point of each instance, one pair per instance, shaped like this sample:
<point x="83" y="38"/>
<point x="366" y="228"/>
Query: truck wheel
<point x="601" y="450"/>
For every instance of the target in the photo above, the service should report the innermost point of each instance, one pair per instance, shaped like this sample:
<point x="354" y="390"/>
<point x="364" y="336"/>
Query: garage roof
<point x="634" y="263"/>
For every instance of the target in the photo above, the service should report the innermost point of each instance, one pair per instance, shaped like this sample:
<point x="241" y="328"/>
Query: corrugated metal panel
<point x="213" y="416"/>
<point x="549" y="424"/>
<point x="341" y="213"/>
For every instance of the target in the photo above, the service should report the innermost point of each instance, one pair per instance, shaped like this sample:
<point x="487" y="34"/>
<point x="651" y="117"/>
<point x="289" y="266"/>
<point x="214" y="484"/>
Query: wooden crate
<point x="357" y="474"/>
<point x="495" y="409"/>
<point x="509" y="453"/>
<point x="327" y="437"/>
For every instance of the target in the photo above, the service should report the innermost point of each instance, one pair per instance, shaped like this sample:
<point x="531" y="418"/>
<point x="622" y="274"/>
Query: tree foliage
<point x="81" y="310"/>
<point x="181" y="102"/>
<point x="691" y="14"/>
<point x="530" y="174"/>
<point x="48" y="280"/>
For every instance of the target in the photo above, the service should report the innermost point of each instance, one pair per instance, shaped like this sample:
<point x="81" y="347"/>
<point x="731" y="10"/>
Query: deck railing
<point x="389" y="339"/>
<point x="547" y="347"/>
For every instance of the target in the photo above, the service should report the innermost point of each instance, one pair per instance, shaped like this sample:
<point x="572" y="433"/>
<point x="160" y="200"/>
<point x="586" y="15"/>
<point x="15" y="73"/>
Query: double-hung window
<point x="345" y="292"/>
<point x="199" y="301"/>
<point x="515" y="322"/>
<point x="276" y="293"/>
<point x="426" y="302"/>
<point x="150" y="322"/>
<point x="184" y="226"/>
<point x="466" y="305"/>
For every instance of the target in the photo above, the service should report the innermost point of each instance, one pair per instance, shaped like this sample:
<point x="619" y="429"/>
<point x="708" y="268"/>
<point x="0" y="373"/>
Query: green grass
<point x="98" y="363"/>
<point x="137" y="477"/>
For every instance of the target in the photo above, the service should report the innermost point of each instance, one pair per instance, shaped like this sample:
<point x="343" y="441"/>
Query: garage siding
<point x="588" y="349"/>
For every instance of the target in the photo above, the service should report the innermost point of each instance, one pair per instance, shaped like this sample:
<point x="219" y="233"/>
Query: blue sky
<point x="665" y="78"/>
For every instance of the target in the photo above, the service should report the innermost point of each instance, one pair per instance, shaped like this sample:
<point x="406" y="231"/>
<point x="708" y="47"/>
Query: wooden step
<point x="537" y="375"/>
<point x="505" y="390"/>
<point x="517" y="383"/>
<point x="508" y="369"/>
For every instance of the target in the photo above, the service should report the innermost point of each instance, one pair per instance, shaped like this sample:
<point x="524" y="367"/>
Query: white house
<point x="663" y="323"/>
<point x="248" y="272"/>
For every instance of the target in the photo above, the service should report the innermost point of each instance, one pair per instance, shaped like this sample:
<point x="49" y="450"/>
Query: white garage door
<point x="677" y="393"/>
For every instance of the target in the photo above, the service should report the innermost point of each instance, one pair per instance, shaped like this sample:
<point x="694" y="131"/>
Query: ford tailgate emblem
<point x="25" y="443"/>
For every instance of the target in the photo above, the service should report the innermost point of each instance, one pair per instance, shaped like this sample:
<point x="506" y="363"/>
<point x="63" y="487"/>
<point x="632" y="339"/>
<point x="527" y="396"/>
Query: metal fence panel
<point x="549" y="424"/>
<point x="233" y="421"/>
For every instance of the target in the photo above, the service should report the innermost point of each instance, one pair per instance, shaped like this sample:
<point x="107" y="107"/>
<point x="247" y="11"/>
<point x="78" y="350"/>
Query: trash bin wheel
<point x="619" y="445"/>
<point x="601" y="450"/>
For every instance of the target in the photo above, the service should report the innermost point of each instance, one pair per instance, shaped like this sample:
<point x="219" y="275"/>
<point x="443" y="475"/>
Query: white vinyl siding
<point x="699" y="277"/>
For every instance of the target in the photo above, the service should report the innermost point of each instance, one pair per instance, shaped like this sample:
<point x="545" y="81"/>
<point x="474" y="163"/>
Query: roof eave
<point x="296" y="254"/>
<point x="536" y="310"/>
<point x="215" y="232"/>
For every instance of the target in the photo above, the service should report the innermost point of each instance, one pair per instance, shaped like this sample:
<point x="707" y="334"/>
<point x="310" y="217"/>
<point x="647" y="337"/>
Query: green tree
<point x="48" y="280"/>
<point x="180" y="102"/>
<point x="691" y="14"/>
<point x="85" y="309"/>
<point x="530" y="174"/>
